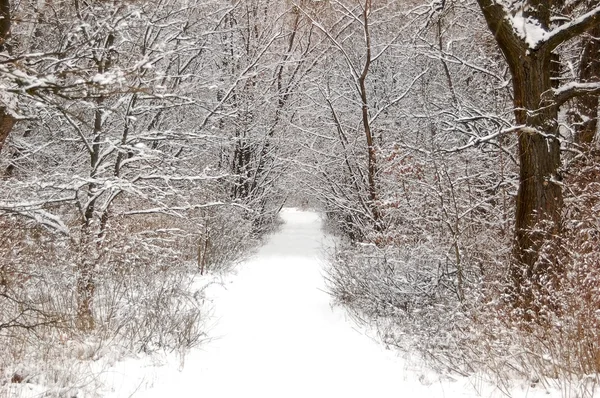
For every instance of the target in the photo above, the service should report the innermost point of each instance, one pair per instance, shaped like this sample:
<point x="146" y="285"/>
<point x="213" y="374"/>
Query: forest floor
<point x="275" y="334"/>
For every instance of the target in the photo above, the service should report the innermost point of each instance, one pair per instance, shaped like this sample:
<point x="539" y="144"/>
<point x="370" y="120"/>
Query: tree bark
<point x="586" y="107"/>
<point x="539" y="198"/>
<point x="7" y="121"/>
<point x="86" y="283"/>
<point x="5" y="25"/>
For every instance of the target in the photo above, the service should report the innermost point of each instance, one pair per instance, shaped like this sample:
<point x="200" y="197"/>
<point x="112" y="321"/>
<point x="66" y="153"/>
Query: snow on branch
<point x="569" y="30"/>
<point x="508" y="25"/>
<point x="537" y="37"/>
<point x="574" y="89"/>
<point x="168" y="178"/>
<point x="529" y="30"/>
<point x="173" y="210"/>
<point x="476" y="141"/>
<point x="40" y="216"/>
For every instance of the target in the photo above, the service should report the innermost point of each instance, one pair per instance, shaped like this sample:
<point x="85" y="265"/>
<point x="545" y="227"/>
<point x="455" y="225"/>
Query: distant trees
<point x="263" y="58"/>
<point x="350" y="92"/>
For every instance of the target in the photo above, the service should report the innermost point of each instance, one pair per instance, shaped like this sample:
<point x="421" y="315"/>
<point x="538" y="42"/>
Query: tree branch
<point x="571" y="29"/>
<point x="499" y="22"/>
<point x="572" y="90"/>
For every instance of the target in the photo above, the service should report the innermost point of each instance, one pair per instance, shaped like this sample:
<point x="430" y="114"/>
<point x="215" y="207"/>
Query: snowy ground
<point x="276" y="335"/>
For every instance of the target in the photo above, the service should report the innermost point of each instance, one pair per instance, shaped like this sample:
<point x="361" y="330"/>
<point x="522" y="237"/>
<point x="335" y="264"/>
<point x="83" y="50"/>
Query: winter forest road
<point x="276" y="336"/>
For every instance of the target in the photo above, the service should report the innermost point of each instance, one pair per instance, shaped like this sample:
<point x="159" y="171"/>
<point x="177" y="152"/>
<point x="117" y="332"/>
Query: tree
<point x="358" y="42"/>
<point x="528" y="38"/>
<point x="103" y="88"/>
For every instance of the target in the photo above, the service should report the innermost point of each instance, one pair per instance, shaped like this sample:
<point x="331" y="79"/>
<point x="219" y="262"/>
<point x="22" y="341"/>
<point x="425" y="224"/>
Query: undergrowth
<point x="147" y="298"/>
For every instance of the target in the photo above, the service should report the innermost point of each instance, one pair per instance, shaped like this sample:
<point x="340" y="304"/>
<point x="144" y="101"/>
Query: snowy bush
<point x="408" y="289"/>
<point x="145" y="295"/>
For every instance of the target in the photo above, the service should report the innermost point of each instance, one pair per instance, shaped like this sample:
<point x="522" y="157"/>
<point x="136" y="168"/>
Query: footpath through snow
<point x="276" y="335"/>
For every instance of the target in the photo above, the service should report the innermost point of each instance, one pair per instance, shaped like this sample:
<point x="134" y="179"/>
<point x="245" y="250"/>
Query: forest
<point x="451" y="146"/>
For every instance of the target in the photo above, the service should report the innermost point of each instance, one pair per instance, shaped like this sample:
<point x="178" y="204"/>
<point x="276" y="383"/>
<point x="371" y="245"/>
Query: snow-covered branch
<point x="477" y="141"/>
<point x="573" y="90"/>
<point x="37" y="214"/>
<point x="571" y="29"/>
<point x="179" y="210"/>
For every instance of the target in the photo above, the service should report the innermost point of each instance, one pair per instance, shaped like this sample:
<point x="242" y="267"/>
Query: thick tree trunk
<point x="586" y="107"/>
<point x="7" y="121"/>
<point x="539" y="198"/>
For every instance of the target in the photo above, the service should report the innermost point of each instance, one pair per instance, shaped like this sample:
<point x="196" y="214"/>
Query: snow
<point x="565" y="88"/>
<point x="107" y="78"/>
<point x="276" y="335"/>
<point x="529" y="30"/>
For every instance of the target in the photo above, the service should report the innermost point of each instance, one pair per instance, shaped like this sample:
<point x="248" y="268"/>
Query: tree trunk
<point x="372" y="154"/>
<point x="92" y="231"/>
<point x="86" y="284"/>
<point x="539" y="198"/>
<point x="586" y="107"/>
<point x="86" y="279"/>
<point x="5" y="25"/>
<point x="86" y="287"/>
<point x="7" y="121"/>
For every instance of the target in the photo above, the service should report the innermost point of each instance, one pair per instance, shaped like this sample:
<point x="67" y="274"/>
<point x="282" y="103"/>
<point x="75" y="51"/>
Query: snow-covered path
<point x="276" y="335"/>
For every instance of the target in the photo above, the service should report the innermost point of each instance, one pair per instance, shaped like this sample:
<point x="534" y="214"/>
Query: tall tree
<point x="527" y="37"/>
